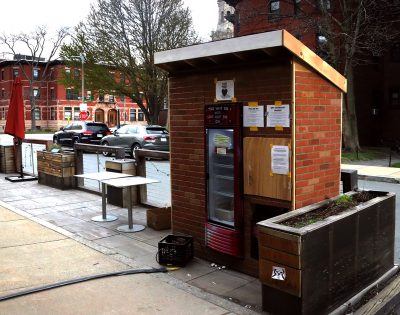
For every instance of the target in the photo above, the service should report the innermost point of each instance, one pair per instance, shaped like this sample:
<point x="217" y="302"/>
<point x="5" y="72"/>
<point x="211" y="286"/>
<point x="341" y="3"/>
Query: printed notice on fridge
<point x="278" y="116"/>
<point x="280" y="159"/>
<point x="253" y="116"/>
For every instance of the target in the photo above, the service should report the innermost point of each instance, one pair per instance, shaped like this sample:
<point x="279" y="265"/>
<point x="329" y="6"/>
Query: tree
<point x="39" y="44"/>
<point x="123" y="36"/>
<point x="350" y="33"/>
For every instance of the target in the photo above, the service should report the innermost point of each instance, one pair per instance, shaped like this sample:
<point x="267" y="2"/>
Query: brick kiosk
<point x="272" y="69"/>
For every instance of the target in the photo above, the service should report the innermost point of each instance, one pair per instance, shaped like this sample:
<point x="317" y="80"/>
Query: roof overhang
<point x="264" y="46"/>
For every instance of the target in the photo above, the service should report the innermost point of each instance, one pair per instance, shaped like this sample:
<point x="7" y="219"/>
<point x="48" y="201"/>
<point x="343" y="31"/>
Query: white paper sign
<point x="224" y="90"/>
<point x="278" y="273"/>
<point x="278" y="116"/>
<point x="280" y="159"/>
<point x="253" y="116"/>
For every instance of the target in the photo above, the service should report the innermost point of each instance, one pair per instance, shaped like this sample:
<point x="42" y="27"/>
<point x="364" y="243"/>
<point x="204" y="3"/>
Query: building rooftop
<point x="271" y="46"/>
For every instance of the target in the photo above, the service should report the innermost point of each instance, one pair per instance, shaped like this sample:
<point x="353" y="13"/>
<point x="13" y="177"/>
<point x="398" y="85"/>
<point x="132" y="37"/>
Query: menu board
<point x="221" y="115"/>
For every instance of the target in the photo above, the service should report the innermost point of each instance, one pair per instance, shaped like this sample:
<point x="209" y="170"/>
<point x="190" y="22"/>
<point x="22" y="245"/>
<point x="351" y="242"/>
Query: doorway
<point x="99" y="115"/>
<point x="112" y="118"/>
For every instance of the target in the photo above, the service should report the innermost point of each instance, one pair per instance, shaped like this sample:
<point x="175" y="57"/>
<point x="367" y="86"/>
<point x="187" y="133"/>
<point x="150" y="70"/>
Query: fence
<point x="152" y="164"/>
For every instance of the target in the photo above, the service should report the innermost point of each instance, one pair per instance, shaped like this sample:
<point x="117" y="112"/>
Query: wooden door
<point x="259" y="180"/>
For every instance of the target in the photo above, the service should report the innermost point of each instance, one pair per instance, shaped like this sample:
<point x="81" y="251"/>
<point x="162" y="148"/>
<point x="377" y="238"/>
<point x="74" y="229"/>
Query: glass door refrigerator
<point x="223" y="147"/>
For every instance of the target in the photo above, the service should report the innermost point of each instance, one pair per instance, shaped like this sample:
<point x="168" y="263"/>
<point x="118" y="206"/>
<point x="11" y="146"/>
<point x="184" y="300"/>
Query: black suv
<point x="81" y="132"/>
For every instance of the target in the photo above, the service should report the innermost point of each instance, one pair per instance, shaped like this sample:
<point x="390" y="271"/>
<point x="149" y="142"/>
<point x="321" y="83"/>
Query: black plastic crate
<point x="176" y="250"/>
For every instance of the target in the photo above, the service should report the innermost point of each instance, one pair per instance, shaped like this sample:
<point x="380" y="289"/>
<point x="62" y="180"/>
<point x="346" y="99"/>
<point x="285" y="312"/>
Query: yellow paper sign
<point x="278" y="103"/>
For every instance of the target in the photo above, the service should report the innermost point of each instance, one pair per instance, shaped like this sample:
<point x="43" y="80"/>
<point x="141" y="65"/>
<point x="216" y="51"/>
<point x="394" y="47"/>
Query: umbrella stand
<point x="21" y="177"/>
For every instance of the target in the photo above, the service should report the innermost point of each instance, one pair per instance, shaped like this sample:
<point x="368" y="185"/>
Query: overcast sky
<point x="25" y="15"/>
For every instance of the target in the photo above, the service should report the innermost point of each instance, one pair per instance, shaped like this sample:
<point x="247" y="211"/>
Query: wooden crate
<point x="159" y="218"/>
<point x="7" y="163"/>
<point x="56" y="169"/>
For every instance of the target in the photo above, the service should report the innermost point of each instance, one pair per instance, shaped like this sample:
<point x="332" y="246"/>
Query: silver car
<point x="133" y="137"/>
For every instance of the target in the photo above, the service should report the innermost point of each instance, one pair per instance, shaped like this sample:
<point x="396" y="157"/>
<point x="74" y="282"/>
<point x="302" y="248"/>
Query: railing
<point x="29" y="148"/>
<point x="161" y="192"/>
<point x="80" y="149"/>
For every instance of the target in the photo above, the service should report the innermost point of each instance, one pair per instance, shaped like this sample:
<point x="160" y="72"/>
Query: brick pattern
<point x="317" y="124"/>
<point x="318" y="138"/>
<point x="188" y="95"/>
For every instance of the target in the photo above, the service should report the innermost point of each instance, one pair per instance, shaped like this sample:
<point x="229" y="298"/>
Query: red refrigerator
<point x="223" y="145"/>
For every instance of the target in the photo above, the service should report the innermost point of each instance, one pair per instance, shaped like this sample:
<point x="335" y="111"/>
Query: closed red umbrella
<point x="15" y="124"/>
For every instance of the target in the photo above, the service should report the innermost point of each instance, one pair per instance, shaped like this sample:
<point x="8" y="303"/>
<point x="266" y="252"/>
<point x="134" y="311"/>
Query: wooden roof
<point x="263" y="46"/>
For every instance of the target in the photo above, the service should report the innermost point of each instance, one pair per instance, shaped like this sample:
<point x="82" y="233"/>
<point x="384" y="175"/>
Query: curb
<point x="379" y="179"/>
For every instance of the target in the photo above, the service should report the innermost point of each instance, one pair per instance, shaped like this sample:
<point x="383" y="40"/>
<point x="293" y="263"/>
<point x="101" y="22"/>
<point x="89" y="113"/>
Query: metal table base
<point x="108" y="218"/>
<point x="133" y="229"/>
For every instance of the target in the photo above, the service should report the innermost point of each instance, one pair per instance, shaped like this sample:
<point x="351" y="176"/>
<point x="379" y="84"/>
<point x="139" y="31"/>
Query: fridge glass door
<point x="220" y="183"/>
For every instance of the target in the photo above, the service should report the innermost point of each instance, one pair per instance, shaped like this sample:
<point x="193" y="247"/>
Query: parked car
<point x="81" y="132"/>
<point x="133" y="137"/>
<point x="112" y="129"/>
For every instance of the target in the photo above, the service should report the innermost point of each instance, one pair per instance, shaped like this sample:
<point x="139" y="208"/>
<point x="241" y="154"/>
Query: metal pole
<point x="83" y="78"/>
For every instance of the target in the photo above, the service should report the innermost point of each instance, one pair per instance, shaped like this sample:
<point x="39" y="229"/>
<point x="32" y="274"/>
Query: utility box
<point x="255" y="125"/>
<point x="118" y="196"/>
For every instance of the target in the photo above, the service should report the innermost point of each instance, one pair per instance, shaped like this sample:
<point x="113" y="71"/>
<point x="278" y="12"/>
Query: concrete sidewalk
<point x="33" y="255"/>
<point x="48" y="236"/>
<point x="375" y="173"/>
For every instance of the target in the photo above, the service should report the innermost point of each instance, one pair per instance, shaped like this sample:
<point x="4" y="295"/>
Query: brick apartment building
<point x="57" y="104"/>
<point x="377" y="86"/>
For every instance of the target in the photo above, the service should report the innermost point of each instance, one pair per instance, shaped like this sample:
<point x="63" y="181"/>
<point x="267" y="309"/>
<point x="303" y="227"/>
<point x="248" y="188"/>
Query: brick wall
<point x="188" y="95"/>
<point x="318" y="143"/>
<point x="318" y="138"/>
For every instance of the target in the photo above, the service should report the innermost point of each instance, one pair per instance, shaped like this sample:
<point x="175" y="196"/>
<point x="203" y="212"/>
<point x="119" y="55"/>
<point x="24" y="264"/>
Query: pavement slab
<point x="133" y="294"/>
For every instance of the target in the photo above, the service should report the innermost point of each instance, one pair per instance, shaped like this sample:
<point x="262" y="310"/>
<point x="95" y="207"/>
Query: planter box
<point x="159" y="218"/>
<point x="7" y="163"/>
<point x="316" y="268"/>
<point x="56" y="169"/>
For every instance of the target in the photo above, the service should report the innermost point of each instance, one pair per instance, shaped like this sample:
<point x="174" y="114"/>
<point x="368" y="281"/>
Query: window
<point x="36" y="93"/>
<point x="76" y="113"/>
<point x="77" y="74"/>
<point x="2" y="75"/>
<point x="3" y="93"/>
<point x="322" y="47"/>
<point x="67" y="113"/>
<point x="52" y="94"/>
<point x="140" y="115"/>
<point x="325" y="4"/>
<point x="2" y="113"/>
<point x="71" y="94"/>
<point x="122" y="98"/>
<point x="52" y="74"/>
<point x="68" y="71"/>
<point x="394" y="97"/>
<point x="395" y="53"/>
<point x="101" y="97"/>
<point x="53" y="113"/>
<point x="35" y="74"/>
<point x="15" y="73"/>
<point x="111" y="98"/>
<point x="37" y="113"/>
<point x="274" y="9"/>
<point x="296" y="7"/>
<point x="132" y="115"/>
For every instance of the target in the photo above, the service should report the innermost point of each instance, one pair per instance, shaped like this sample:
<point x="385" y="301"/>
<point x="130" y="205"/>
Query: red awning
<point x="15" y="124"/>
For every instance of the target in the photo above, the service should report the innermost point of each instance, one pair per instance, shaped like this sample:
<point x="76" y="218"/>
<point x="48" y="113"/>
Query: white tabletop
<point x="101" y="176"/>
<point x="130" y="181"/>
